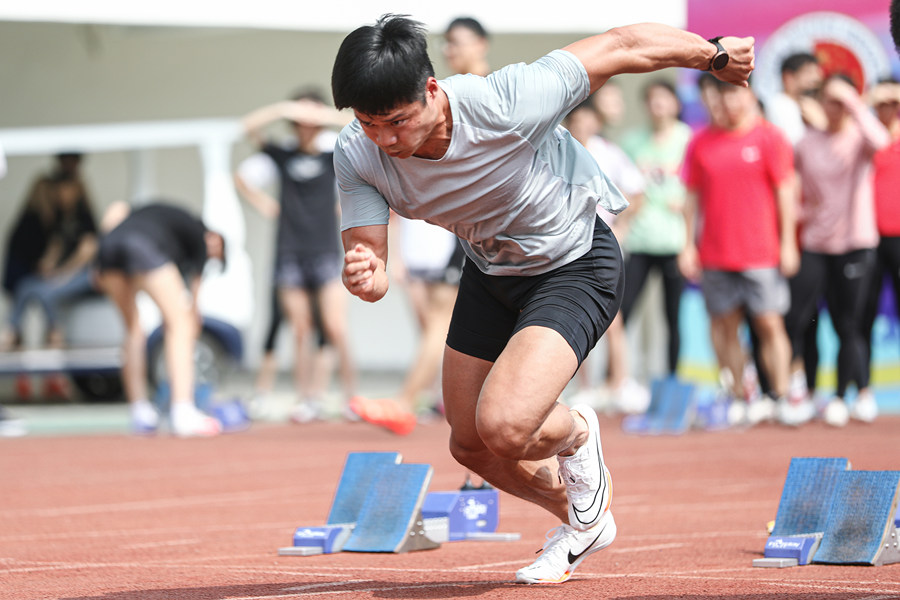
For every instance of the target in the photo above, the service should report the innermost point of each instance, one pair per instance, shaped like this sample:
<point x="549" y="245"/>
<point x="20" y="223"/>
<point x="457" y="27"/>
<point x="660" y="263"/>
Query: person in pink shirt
<point x="838" y="236"/>
<point x="739" y="174"/>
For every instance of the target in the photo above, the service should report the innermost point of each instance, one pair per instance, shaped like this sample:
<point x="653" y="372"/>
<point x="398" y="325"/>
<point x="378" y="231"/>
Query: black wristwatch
<point x="720" y="60"/>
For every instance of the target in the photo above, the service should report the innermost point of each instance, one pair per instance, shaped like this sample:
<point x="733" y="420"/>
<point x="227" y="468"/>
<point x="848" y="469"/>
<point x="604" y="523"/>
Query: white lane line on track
<point x="645" y="548"/>
<point x="164" y="544"/>
<point x="143" y="531"/>
<point x="505" y="563"/>
<point x="160" y="503"/>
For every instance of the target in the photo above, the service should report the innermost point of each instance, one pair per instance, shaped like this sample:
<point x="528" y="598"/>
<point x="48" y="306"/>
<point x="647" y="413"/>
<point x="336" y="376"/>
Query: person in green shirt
<point x="656" y="233"/>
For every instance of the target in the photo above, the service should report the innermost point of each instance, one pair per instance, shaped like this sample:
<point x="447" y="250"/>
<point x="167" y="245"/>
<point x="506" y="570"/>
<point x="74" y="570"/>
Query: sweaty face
<point x="403" y="130"/>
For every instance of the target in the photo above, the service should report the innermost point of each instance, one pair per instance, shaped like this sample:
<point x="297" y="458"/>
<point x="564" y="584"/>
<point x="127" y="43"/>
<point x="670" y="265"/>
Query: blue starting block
<point x="382" y="505"/>
<point x="860" y="526"/>
<point x="360" y="469"/>
<point x="830" y="514"/>
<point x="671" y="411"/>
<point x="390" y="519"/>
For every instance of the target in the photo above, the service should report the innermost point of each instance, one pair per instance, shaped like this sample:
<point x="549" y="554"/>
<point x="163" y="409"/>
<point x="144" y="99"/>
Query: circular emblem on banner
<point x="841" y="43"/>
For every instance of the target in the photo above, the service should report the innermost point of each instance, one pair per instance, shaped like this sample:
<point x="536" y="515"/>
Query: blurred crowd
<point x="777" y="211"/>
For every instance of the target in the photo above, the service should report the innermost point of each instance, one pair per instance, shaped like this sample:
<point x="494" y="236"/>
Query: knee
<point x="506" y="434"/>
<point x="472" y="457"/>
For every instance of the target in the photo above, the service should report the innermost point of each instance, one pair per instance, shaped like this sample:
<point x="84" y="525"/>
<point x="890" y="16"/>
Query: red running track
<point x="119" y="518"/>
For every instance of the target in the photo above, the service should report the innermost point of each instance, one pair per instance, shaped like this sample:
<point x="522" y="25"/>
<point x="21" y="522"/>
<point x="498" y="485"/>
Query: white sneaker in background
<point x="761" y="410"/>
<point x="632" y="398"/>
<point x="836" y="413"/>
<point x="565" y="549"/>
<point x="306" y="411"/>
<point x="795" y="412"/>
<point x="865" y="408"/>
<point x="187" y="421"/>
<point x="144" y="418"/>
<point x="737" y="413"/>
<point x="11" y="426"/>
<point x="592" y="396"/>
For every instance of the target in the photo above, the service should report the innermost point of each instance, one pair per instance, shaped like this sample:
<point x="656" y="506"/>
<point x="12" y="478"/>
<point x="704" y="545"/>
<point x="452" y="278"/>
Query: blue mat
<point x="390" y="518"/>
<point x="861" y="515"/>
<point x="807" y="495"/>
<point x="356" y="478"/>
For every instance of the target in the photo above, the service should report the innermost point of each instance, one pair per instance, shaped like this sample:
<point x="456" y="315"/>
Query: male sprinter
<point x="485" y="158"/>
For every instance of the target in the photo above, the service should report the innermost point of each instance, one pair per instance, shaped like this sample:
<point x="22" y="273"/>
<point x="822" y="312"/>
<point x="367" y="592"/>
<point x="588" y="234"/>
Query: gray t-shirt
<point x="514" y="185"/>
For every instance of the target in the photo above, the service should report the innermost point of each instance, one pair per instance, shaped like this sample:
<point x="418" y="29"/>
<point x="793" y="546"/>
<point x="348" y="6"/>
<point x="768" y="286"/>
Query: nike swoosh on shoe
<point x="575" y="557"/>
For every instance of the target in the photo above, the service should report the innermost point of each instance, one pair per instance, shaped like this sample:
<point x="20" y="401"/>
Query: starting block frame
<point x="382" y="505"/>
<point x="831" y="514"/>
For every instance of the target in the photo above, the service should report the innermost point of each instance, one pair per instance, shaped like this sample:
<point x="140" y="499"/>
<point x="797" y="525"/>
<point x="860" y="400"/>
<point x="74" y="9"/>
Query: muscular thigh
<point x="578" y="301"/>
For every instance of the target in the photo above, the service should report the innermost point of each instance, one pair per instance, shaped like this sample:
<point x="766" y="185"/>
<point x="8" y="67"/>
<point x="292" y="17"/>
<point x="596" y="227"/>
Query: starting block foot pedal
<point x="807" y="494"/>
<point x="390" y="519"/>
<point x="299" y="551"/>
<point x="860" y="527"/>
<point x="356" y="479"/>
<point x="800" y="549"/>
<point x="775" y="563"/>
<point x="321" y="540"/>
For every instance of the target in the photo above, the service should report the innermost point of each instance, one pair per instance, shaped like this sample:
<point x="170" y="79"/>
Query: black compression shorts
<point x="578" y="300"/>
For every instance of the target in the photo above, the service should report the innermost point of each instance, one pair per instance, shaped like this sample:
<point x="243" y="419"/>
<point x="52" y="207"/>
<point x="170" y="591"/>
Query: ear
<point x="432" y="88"/>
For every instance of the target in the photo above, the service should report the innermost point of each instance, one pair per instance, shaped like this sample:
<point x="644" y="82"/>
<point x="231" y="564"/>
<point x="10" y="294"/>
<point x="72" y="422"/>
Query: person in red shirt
<point x="885" y="100"/>
<point x="741" y="243"/>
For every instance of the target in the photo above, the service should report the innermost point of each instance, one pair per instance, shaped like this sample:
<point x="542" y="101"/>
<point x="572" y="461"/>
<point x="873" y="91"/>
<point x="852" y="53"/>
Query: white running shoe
<point x="564" y="550"/>
<point x="632" y="398"/>
<point x="305" y="411"/>
<point x="795" y="412"/>
<point x="189" y="422"/>
<point x="761" y="410"/>
<point x="737" y="413"/>
<point x="836" y="413"/>
<point x="865" y="408"/>
<point x="587" y="480"/>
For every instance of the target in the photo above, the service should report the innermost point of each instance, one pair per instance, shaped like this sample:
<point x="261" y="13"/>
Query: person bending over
<point x="156" y="249"/>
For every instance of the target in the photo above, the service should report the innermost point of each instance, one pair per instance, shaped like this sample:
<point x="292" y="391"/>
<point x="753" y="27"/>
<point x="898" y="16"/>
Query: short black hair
<point x="469" y="23"/>
<point x="381" y="66"/>
<point x="895" y="23"/>
<point x="797" y="61"/>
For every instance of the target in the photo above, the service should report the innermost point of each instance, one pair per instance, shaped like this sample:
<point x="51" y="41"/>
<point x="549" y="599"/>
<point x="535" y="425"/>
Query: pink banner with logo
<point x="847" y="36"/>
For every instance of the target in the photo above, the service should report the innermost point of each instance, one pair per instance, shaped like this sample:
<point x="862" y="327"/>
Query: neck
<point x="894" y="128"/>
<point x="662" y="126"/>
<point x="439" y="139"/>
<point x="745" y="123"/>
